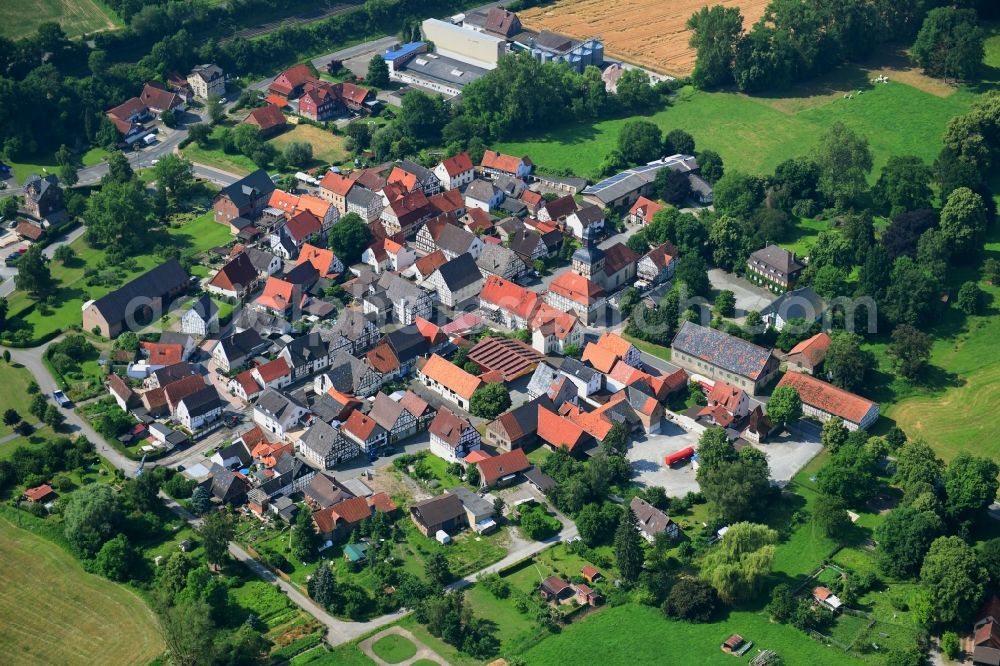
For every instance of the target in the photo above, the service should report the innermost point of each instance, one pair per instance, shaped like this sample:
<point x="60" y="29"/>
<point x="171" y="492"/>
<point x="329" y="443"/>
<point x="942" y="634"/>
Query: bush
<point x="691" y="599"/>
<point x="496" y="585"/>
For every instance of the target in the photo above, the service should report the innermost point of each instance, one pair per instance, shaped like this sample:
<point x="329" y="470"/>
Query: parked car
<point x="61" y="398"/>
<point x="14" y="257"/>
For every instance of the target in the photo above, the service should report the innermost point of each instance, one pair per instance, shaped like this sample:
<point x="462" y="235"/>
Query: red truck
<point x="679" y="456"/>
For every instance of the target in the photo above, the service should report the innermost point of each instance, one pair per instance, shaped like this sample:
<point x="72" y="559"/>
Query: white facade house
<point x="278" y="413"/>
<point x="324" y="446"/>
<point x="199" y="409"/>
<point x="455" y="172"/>
<point x="452" y="437"/>
<point x="202" y="318"/>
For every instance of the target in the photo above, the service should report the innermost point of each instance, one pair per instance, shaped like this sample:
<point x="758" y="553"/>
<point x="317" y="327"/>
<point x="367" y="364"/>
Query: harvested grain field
<point x="650" y="33"/>
<point x="53" y="612"/>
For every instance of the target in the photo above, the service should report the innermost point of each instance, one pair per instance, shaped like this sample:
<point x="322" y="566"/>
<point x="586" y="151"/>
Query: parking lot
<point x="646" y="455"/>
<point x="786" y="453"/>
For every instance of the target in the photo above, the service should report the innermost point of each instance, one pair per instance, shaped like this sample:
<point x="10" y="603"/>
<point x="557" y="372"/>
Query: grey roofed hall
<point x="480" y="190"/>
<point x="454" y="239"/>
<point x="276" y="403"/>
<point x="154" y="283"/>
<point x="253" y="186"/>
<point x="722" y="350"/>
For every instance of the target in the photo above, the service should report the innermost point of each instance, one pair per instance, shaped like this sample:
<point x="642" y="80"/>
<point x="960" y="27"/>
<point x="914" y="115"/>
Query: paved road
<point x="32" y="360"/>
<point x="7" y="286"/>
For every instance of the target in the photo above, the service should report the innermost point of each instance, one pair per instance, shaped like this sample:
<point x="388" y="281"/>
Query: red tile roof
<point x="813" y="350"/>
<point x="382" y="358"/>
<point x="427" y="265"/>
<point x="382" y="503"/>
<point x="353" y="93"/>
<point x="827" y="397"/>
<point x="352" y="510"/>
<point x="457" y="164"/>
<point x="449" y="426"/>
<point x="29" y="230"/>
<point x="662" y="255"/>
<point x="576" y="288"/>
<point x="302" y="225"/>
<point x="726" y="395"/>
<point x="359" y="425"/>
<point x="559" y="431"/>
<point x="320" y="258"/>
<point x="648" y="207"/>
<point x="511" y="358"/>
<point x="553" y="322"/>
<point x="274" y="369"/>
<point x="602" y="358"/>
<point x="247" y="383"/>
<point x="162" y="354"/>
<point x="39" y="493"/>
<point x="501" y="162"/>
<point x="476" y="456"/>
<point x="336" y="183"/>
<point x="451" y="376"/>
<point x="430" y="331"/>
<point x="493" y="469"/>
<point x="266" y="118"/>
<point x="292" y="78"/>
<point x="402" y="177"/>
<point x="277" y="294"/>
<point x="447" y="202"/>
<point x="510" y="297"/>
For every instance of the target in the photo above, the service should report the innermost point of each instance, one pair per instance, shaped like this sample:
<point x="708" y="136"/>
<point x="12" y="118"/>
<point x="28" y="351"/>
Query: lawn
<point x="77" y="17"/>
<point x="46" y="163"/>
<point x="513" y="627"/>
<point x="328" y="148"/>
<point x="191" y="234"/>
<point x="897" y="119"/>
<point x="394" y="648"/>
<point x="45" y="590"/>
<point x="659" y="351"/>
<point x="15" y="379"/>
<point x="634" y="634"/>
<point x="212" y="155"/>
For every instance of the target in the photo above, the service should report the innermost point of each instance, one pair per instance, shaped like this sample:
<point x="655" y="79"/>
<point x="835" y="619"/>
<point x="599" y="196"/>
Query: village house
<point x="326" y="263"/>
<point x="269" y="120"/>
<point x="457" y="281"/>
<point x="43" y="197"/>
<point x="199" y="409"/>
<point x="452" y="437"/>
<point x="408" y="300"/>
<point x="658" y="265"/>
<point x="207" y="81"/>
<point x="623" y="189"/>
<point x="587" y="221"/>
<point x="451" y="239"/>
<point x="137" y="302"/>
<point x="414" y="177"/>
<point x="495" y="164"/>
<point x="354" y="331"/>
<point x="278" y="413"/>
<point x="503" y="469"/>
<point x="652" y="521"/>
<point x="202" y="318"/>
<point x="334" y="187"/>
<point x="500" y="261"/>
<point x="122" y="393"/>
<point x="236" y="350"/>
<point x="799" y="304"/>
<point x="808" y="355"/>
<point x="236" y="279"/>
<point x="558" y="432"/>
<point x="158" y="99"/>
<point x="448" y="380"/>
<point x="720" y="356"/>
<point x="290" y="82"/>
<point x="482" y="194"/>
<point x="128" y="117"/>
<point x="349" y="375"/>
<point x="726" y="404"/>
<point x="394" y="418"/>
<point x="364" y="202"/>
<point x="246" y="197"/>
<point x="555" y="590"/>
<point x="406" y="214"/>
<point x="324" y="447"/>
<point x="364" y="431"/>
<point x="824" y="401"/>
<point x="444" y="513"/>
<point x="518" y="427"/>
<point x="455" y="172"/>
<point x="244" y="386"/>
<point x="339" y="520"/>
<point x="553" y="331"/>
<point x="306" y="355"/>
<point x="775" y="268"/>
<point x="643" y="210"/>
<point x="276" y="374"/>
<point x="575" y="294"/>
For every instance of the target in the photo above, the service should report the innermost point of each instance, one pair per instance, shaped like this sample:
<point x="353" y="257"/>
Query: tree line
<point x="795" y="41"/>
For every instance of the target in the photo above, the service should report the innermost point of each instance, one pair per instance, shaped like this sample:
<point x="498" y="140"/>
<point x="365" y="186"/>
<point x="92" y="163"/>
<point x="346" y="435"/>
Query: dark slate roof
<point x="722" y="350"/>
<point x="254" y="186"/>
<point x="172" y="373"/>
<point x="205" y="308"/>
<point x="202" y="401"/>
<point x="353" y="323"/>
<point x="260" y="259"/>
<point x="460" y="272"/>
<point x="777" y="258"/>
<point x="320" y="438"/>
<point x="573" y="367"/>
<point x="154" y="283"/>
<point x="276" y="403"/>
<point x="438" y="510"/>
<point x="306" y="349"/>
<point x="407" y="343"/>
<point x="242" y="344"/>
<point x="326" y="491"/>
<point x="524" y="241"/>
<point x="237" y="450"/>
<point x="305" y="275"/>
<point x="454" y="239"/>
<point x="346" y="372"/>
<point x="360" y="196"/>
<point x="539" y="479"/>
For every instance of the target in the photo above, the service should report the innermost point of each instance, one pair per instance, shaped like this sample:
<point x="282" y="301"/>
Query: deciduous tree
<point x="950" y="43"/>
<point x="954" y="578"/>
<point x="910" y="350"/>
<point x="90" y="517"/>
<point x="216" y="532"/>
<point x="378" y="72"/>
<point x="490" y="401"/>
<point x="738" y="566"/>
<point x="785" y="406"/>
<point x="349" y="237"/>
<point x="903" y="540"/>
<point x="846" y="361"/>
<point x="639" y="141"/>
<point x="691" y="599"/>
<point x="844" y="160"/>
<point x="970" y="485"/>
